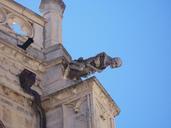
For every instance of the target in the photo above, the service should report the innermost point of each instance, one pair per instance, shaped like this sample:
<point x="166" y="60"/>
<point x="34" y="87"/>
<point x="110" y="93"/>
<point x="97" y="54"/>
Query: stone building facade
<point x="38" y="71"/>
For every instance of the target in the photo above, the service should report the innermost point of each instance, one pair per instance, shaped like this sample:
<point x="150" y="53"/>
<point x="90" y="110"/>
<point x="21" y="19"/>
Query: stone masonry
<point x="67" y="103"/>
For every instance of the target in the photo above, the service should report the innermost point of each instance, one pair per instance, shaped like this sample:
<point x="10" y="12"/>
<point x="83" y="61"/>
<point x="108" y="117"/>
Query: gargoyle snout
<point x="116" y="62"/>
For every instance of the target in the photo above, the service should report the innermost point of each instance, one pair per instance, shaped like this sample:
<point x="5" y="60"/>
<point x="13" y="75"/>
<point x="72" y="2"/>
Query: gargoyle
<point x="84" y="67"/>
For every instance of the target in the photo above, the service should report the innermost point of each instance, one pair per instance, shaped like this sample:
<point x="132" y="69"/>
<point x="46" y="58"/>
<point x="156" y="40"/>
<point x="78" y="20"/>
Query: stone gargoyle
<point x="85" y="67"/>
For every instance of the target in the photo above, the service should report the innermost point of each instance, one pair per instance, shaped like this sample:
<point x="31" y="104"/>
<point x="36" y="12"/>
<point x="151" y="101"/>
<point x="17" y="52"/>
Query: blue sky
<point x="139" y="31"/>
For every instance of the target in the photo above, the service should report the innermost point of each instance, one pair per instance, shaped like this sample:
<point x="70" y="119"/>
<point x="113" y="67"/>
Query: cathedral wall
<point x="15" y="110"/>
<point x="68" y="103"/>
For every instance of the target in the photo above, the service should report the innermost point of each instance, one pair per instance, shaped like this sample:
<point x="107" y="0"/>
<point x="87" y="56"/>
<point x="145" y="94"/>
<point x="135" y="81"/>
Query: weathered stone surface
<point x="53" y="12"/>
<point x="30" y="22"/>
<point x="68" y="103"/>
<point x="82" y="104"/>
<point x="15" y="111"/>
<point x="55" y="118"/>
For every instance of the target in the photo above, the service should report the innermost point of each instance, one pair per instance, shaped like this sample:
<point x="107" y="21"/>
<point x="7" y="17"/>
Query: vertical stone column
<point x="54" y="52"/>
<point x="52" y="10"/>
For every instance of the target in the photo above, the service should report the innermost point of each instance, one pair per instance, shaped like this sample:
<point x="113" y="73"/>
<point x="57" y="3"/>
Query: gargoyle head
<point x="116" y="62"/>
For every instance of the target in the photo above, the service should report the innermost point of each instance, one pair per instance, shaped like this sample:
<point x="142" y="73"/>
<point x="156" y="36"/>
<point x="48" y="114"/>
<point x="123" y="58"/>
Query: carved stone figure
<point x="84" y="67"/>
<point x="27" y="79"/>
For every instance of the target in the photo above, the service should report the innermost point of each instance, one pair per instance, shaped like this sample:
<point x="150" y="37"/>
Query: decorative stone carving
<point x="25" y="26"/>
<point x="76" y="100"/>
<point x="77" y="104"/>
<point x="9" y="19"/>
<point x="84" y="67"/>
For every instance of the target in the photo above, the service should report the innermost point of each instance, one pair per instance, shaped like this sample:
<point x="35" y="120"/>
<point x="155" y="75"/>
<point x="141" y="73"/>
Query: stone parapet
<point x="31" y="24"/>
